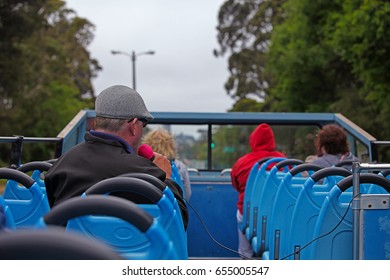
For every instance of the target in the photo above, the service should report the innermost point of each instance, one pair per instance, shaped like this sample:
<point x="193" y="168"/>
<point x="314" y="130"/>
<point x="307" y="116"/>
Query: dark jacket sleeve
<point x="178" y="193"/>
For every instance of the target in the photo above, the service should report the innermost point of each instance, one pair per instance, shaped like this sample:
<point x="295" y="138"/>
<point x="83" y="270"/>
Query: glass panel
<point x="191" y="143"/>
<point x="232" y="141"/>
<point x="229" y="142"/>
<point x="384" y="154"/>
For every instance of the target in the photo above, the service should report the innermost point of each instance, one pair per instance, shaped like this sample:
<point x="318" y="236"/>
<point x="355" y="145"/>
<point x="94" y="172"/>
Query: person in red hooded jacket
<point x="262" y="143"/>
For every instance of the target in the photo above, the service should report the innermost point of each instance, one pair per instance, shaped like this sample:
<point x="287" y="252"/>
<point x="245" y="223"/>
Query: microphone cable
<point x="212" y="238"/>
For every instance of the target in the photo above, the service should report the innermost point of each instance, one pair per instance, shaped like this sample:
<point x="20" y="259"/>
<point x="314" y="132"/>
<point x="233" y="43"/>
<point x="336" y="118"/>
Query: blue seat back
<point x="263" y="204"/>
<point x="253" y="193"/>
<point x="160" y="185"/>
<point x="103" y="213"/>
<point x="334" y="223"/>
<point x="247" y="196"/>
<point x="9" y="222"/>
<point x="14" y="191"/>
<point x="307" y="208"/>
<point x="283" y="207"/>
<point x="161" y="208"/>
<point x="377" y="189"/>
<point x="25" y="213"/>
<point x="176" y="177"/>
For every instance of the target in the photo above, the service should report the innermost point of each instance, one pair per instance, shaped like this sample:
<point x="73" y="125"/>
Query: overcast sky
<point x="182" y="75"/>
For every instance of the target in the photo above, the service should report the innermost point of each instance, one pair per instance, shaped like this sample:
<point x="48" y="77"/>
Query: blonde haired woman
<point x="161" y="141"/>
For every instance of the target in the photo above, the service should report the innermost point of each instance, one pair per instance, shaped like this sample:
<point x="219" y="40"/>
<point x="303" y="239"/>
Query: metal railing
<point x="357" y="168"/>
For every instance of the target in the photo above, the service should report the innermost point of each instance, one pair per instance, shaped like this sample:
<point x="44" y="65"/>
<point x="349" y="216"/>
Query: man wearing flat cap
<point x="110" y="150"/>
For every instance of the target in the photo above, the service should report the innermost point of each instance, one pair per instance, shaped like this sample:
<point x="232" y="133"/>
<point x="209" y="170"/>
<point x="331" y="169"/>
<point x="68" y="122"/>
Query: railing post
<point x="16" y="152"/>
<point x="356" y="210"/>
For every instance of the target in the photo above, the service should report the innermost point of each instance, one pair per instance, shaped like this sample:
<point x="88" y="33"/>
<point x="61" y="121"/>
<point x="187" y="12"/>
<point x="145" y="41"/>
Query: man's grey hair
<point x="108" y="124"/>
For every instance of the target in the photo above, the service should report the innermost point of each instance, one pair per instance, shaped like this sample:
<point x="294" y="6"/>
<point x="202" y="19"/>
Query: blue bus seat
<point x="161" y="208"/>
<point x="138" y="236"/>
<point x="283" y="206"/>
<point x="52" y="244"/>
<point x="9" y="222"/>
<point x="248" y="191"/>
<point x="206" y="204"/>
<point x="263" y="204"/>
<point x="25" y="213"/>
<point x="375" y="188"/>
<point x="157" y="183"/>
<point x="166" y="190"/>
<point x="307" y="208"/>
<point x="336" y="242"/>
<point x="14" y="191"/>
<point x="254" y="192"/>
<point x="176" y="177"/>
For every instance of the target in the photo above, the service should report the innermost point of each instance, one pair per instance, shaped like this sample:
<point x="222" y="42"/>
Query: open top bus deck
<point x="210" y="143"/>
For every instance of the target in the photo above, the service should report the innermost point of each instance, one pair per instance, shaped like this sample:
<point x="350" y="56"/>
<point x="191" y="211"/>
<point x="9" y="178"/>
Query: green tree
<point x="304" y="68"/>
<point x="333" y="56"/>
<point x="315" y="56"/>
<point x="361" y="40"/>
<point x="47" y="77"/>
<point x="244" y="29"/>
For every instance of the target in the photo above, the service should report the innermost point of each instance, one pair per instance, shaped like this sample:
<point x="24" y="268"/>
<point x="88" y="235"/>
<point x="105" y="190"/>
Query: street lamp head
<point x="133" y="56"/>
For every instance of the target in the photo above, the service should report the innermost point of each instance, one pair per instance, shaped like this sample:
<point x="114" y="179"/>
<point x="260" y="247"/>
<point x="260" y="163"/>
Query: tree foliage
<point x="244" y="29"/>
<point x="334" y="56"/>
<point x="321" y="56"/>
<point x="45" y="68"/>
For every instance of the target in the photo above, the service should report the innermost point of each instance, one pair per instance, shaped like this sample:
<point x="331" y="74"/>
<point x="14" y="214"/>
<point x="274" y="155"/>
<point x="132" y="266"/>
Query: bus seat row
<point x="109" y="219"/>
<point x="283" y="206"/>
<point x="263" y="206"/>
<point x="263" y="181"/>
<point x="308" y="204"/>
<point x="337" y="244"/>
<point x="289" y="209"/>
<point x="162" y="235"/>
<point x="256" y="180"/>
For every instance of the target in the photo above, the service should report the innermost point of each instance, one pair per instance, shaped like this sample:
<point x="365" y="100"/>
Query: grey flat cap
<point x="121" y="102"/>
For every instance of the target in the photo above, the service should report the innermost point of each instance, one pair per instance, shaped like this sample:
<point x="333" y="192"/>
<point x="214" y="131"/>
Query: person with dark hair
<point x="332" y="147"/>
<point x="109" y="150"/>
<point x="262" y="144"/>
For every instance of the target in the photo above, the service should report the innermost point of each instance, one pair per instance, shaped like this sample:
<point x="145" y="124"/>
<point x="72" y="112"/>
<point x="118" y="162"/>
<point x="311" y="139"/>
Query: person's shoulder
<point x="178" y="162"/>
<point x="241" y="160"/>
<point x="318" y="160"/>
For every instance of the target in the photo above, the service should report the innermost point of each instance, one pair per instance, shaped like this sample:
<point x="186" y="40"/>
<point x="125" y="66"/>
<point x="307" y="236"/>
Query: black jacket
<point x="97" y="159"/>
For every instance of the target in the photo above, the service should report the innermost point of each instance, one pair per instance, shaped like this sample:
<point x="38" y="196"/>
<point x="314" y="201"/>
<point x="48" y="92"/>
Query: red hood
<point x="262" y="138"/>
<point x="263" y="144"/>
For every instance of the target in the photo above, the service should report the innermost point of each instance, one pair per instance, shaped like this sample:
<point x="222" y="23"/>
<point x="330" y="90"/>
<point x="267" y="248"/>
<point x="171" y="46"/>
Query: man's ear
<point x="131" y="126"/>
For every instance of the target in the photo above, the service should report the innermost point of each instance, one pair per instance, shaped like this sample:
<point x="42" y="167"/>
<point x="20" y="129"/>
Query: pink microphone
<point x="146" y="151"/>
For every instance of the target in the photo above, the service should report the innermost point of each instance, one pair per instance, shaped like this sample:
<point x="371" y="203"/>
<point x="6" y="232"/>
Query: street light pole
<point x="133" y="57"/>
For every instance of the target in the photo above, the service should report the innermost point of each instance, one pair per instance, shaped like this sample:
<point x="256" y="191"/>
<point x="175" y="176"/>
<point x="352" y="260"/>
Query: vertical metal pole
<point x="356" y="210"/>
<point x="133" y="64"/>
<point x="209" y="150"/>
<point x="16" y="152"/>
